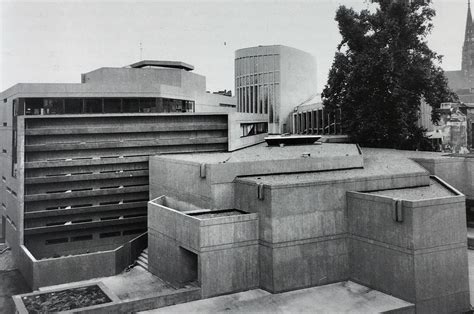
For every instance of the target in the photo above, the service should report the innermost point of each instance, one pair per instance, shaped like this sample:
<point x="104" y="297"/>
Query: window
<point x="5" y="124"/>
<point x="131" y="105"/>
<point x="93" y="105"/>
<point x="56" y="241"/>
<point x="110" y="234"/>
<point x="112" y="105"/>
<point x="82" y="238"/>
<point x="227" y="105"/>
<point x="34" y="106"/>
<point x="147" y="105"/>
<point x="4" y="150"/>
<point x="249" y="129"/>
<point x="53" y="106"/>
<point x="73" y="106"/>
<point x="133" y="231"/>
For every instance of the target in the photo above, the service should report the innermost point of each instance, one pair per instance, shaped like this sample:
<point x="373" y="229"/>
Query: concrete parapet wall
<point x="207" y="180"/>
<point x="415" y="250"/>
<point x="220" y="253"/>
<point x="53" y="271"/>
<point x="457" y="171"/>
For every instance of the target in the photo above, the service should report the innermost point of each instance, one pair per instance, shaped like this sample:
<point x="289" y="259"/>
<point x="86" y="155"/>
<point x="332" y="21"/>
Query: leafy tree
<point x="382" y="71"/>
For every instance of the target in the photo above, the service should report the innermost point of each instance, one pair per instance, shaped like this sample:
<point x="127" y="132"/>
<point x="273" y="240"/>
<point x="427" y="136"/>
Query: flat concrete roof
<point x="262" y="152"/>
<point x="434" y="190"/>
<point x="163" y="64"/>
<point x="342" y="297"/>
<point x="373" y="167"/>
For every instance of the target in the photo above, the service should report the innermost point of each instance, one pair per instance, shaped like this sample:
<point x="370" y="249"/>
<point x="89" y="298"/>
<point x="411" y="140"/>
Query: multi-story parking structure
<point x="74" y="157"/>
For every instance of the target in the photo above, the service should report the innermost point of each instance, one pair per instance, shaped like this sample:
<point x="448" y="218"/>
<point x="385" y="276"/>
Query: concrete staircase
<point x="142" y="260"/>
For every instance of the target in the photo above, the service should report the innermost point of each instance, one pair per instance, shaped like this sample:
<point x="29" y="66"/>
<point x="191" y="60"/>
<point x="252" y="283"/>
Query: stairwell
<point x="142" y="260"/>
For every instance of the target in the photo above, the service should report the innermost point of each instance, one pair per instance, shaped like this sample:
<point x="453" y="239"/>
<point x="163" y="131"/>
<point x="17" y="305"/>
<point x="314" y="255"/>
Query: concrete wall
<point x="236" y="141"/>
<point x="303" y="226"/>
<point x="457" y="171"/>
<point x="422" y="259"/>
<point x="181" y="178"/>
<point x="53" y="271"/>
<point x="225" y="248"/>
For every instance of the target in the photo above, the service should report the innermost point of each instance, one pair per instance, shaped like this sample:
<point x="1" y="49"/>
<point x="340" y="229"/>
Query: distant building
<point x="462" y="81"/>
<point x="273" y="80"/>
<point x="311" y="118"/>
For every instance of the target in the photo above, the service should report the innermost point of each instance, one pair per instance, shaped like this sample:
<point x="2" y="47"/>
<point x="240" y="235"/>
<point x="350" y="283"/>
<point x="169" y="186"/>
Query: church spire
<point x="468" y="47"/>
<point x="468" y="20"/>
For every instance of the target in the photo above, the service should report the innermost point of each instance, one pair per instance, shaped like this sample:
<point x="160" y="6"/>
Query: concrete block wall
<point x="422" y="259"/>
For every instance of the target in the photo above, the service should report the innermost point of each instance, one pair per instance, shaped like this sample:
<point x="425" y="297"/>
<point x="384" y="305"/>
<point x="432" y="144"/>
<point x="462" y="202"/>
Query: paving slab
<point x="11" y="283"/>
<point x="137" y="283"/>
<point x="342" y="297"/>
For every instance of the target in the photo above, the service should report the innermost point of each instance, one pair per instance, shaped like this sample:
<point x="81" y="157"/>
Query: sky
<point x="56" y="41"/>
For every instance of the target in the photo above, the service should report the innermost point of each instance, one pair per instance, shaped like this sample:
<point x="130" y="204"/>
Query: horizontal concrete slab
<point x="343" y="297"/>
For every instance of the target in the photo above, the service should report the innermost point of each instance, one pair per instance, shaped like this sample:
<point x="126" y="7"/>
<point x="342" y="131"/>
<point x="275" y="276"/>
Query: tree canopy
<point x="383" y="69"/>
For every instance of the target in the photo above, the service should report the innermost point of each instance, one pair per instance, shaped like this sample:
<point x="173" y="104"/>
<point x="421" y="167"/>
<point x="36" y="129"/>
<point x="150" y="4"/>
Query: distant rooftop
<point x="162" y="64"/>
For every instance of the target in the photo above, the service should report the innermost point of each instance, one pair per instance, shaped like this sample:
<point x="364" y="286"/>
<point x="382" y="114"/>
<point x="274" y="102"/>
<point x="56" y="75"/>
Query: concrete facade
<point x="315" y="229"/>
<point x="219" y="252"/>
<point x="208" y="180"/>
<point x="273" y="80"/>
<point x="395" y="250"/>
<point x="74" y="157"/>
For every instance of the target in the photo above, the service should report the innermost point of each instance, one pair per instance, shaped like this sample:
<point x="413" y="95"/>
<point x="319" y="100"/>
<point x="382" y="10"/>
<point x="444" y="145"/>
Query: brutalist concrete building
<point x="74" y="161"/>
<point x="273" y="80"/>
<point x="287" y="218"/>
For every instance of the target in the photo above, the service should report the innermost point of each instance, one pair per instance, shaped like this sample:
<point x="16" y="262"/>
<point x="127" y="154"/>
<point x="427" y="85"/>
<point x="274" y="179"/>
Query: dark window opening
<point x="131" y="105"/>
<point x="73" y="106"/>
<point x="81" y="238"/>
<point x="56" y="241"/>
<point x="110" y="234"/>
<point x="112" y="105"/>
<point x="249" y="129"/>
<point x="133" y="231"/>
<point x="93" y="105"/>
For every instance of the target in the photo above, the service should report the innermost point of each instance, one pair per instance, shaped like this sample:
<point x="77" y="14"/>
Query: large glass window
<point x="34" y="106"/>
<point x="45" y="106"/>
<point x="249" y="129"/>
<point x="112" y="105"/>
<point x="73" y="105"/>
<point x="131" y="105"/>
<point x="53" y="106"/>
<point x="93" y="105"/>
<point x="147" y="105"/>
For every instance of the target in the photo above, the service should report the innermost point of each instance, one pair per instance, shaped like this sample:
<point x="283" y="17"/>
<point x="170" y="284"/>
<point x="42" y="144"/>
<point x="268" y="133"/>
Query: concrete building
<point x="273" y="80"/>
<point x="293" y="217"/>
<point x="311" y="118"/>
<point x="462" y="81"/>
<point x="74" y="161"/>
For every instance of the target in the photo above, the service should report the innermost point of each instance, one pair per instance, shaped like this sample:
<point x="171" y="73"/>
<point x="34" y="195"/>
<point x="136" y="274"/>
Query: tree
<point x="382" y="71"/>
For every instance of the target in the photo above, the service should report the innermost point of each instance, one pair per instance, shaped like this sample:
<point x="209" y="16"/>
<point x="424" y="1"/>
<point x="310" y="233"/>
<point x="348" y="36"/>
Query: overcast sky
<point x="56" y="41"/>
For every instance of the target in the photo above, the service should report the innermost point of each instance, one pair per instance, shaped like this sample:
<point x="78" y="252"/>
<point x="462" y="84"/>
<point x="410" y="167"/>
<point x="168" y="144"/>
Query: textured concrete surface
<point x="434" y="190"/>
<point x="221" y="253"/>
<point x="422" y="258"/>
<point x="137" y="283"/>
<point x="11" y="283"/>
<point x="344" y="297"/>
